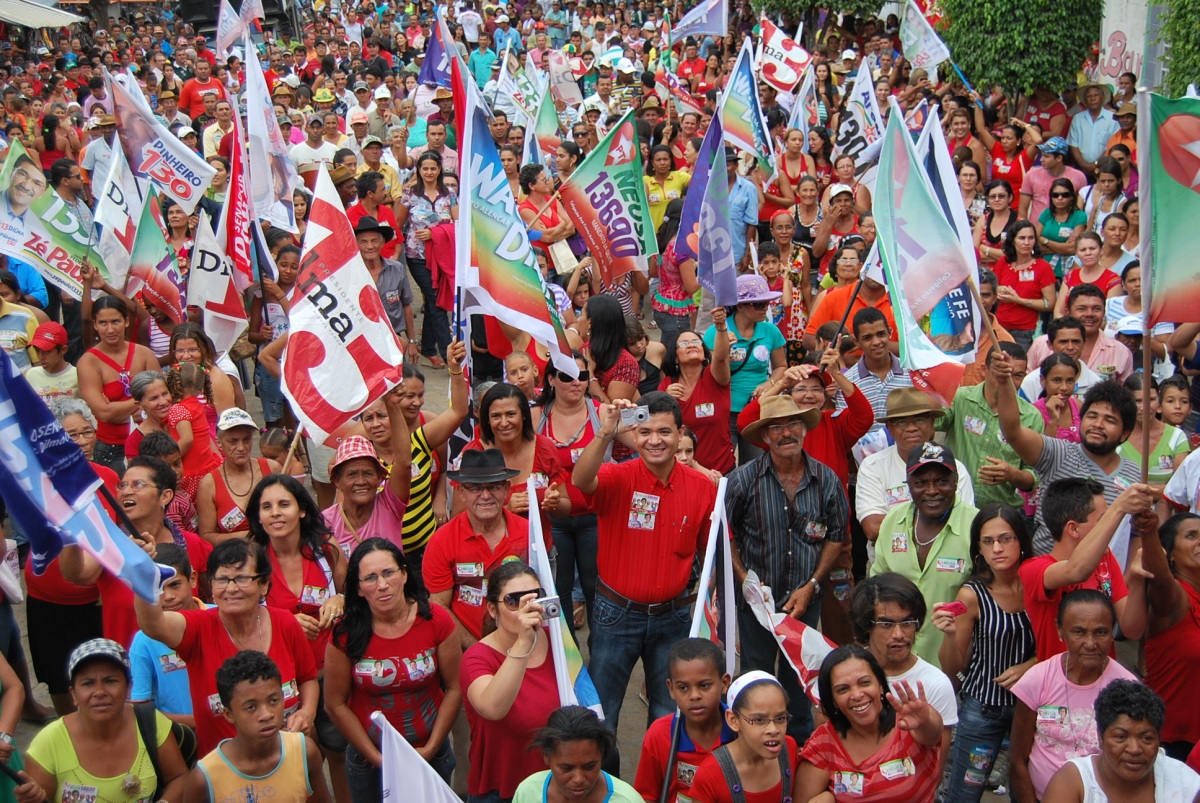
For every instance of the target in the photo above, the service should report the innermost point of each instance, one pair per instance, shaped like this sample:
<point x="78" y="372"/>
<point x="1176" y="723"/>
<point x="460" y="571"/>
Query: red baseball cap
<point x="48" y="336"/>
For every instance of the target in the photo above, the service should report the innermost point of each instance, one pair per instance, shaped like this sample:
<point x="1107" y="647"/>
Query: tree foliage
<point x="1181" y="32"/>
<point x="809" y="11"/>
<point x="1019" y="45"/>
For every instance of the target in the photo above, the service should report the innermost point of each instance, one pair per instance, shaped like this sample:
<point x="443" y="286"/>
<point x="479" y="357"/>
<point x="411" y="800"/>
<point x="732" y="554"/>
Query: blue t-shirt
<point x="749" y="360"/>
<point x="160" y="675"/>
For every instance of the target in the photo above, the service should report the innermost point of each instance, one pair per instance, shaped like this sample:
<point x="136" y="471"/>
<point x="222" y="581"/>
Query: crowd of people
<point x="983" y="570"/>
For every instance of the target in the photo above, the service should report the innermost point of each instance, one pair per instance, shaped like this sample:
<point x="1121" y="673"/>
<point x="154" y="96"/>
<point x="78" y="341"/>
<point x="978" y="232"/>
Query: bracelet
<point x="532" y="647"/>
<point x="460" y="373"/>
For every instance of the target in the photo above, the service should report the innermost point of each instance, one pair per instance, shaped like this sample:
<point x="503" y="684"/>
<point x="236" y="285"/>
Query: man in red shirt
<point x="692" y="66"/>
<point x="1082" y="524"/>
<point x="653" y="521"/>
<point x="202" y="51"/>
<point x="465" y="550"/>
<point x="191" y="97"/>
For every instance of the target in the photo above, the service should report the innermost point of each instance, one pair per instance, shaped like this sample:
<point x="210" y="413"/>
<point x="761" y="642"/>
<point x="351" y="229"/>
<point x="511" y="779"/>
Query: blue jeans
<point x="270" y="393"/>
<point x="366" y="782"/>
<point x="576" y="540"/>
<point x="980" y="731"/>
<point x="435" y="328"/>
<point x="761" y="651"/>
<point x="618" y="638"/>
<point x="671" y="326"/>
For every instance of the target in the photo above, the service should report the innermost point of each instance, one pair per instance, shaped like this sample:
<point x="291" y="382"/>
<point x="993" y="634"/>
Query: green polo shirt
<point x="973" y="433"/>
<point x="947" y="566"/>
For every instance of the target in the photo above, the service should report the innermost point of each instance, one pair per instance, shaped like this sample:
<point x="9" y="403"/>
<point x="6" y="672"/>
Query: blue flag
<point x="704" y="224"/>
<point x="435" y="70"/>
<point x="50" y="490"/>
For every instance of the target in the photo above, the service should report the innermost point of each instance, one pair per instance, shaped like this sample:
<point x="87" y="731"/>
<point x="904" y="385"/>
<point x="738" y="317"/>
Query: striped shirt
<point x="1062" y="459"/>
<point x="876" y="390"/>
<point x="999" y="640"/>
<point x="419" y="521"/>
<point x="778" y="539"/>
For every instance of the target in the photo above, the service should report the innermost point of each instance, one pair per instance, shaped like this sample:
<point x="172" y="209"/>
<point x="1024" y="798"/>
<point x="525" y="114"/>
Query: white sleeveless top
<point x="1174" y="781"/>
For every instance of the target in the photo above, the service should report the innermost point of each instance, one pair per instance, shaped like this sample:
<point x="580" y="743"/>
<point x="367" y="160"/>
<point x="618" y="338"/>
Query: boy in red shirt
<point x="697" y="679"/>
<point x="1082" y="524"/>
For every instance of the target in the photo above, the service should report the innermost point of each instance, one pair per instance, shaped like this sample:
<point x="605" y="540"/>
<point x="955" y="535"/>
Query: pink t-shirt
<point x="386" y="521"/>
<point x="1065" y="715"/>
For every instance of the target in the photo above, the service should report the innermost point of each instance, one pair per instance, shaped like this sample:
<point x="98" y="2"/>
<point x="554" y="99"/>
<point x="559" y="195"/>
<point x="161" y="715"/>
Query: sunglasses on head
<point x="512" y="600"/>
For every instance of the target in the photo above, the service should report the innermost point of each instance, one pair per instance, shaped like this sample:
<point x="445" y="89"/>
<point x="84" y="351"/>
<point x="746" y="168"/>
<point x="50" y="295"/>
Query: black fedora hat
<point x="482" y="466"/>
<point x="366" y="224"/>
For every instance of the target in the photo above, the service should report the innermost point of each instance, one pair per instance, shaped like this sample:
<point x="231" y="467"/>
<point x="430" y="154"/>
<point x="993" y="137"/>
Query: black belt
<point x="648" y="608"/>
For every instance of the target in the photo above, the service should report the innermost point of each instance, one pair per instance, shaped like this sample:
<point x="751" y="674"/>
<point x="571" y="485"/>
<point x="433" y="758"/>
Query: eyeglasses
<point x="691" y="341"/>
<point x="761" y="722"/>
<point x="757" y="304"/>
<point x="887" y="625"/>
<point x="1062" y="195"/>
<point x="137" y="485"/>
<point x="912" y="421"/>
<point x="778" y="429"/>
<point x="1004" y="540"/>
<point x="372" y="579"/>
<point x="512" y="600"/>
<point x="241" y="581"/>
<point x="584" y="376"/>
<point x="489" y="488"/>
<point x="82" y="434"/>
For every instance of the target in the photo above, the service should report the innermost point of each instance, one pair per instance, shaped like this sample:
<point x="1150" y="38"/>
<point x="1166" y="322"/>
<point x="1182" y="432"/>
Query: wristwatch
<point x="816" y="585"/>
<point x="7" y="738"/>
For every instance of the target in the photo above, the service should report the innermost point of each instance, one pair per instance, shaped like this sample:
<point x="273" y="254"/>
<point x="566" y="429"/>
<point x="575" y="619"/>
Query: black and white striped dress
<point x="999" y="640"/>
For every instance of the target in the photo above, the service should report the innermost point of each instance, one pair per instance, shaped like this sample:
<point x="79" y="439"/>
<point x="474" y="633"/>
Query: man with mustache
<point x="27" y="185"/>
<point x="788" y="514"/>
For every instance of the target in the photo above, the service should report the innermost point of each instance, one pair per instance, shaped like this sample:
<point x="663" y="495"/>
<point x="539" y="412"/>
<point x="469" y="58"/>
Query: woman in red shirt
<point x="1026" y="284"/>
<point x="395" y="653"/>
<point x="699" y="380"/>
<point x="877" y="745"/>
<point x="510" y="685"/>
<point x="1010" y="158"/>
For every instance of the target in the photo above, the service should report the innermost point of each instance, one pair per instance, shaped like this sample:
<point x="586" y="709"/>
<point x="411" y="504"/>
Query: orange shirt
<point x="833" y="306"/>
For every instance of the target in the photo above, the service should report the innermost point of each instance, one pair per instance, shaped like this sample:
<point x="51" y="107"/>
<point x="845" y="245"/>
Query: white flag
<point x="118" y="208"/>
<point x="562" y="80"/>
<point x="710" y="18"/>
<point x="230" y="28"/>
<point x="921" y="45"/>
<point x="707" y="620"/>
<point x="407" y="776"/>
<point x="273" y="175"/>
<point x="210" y="282"/>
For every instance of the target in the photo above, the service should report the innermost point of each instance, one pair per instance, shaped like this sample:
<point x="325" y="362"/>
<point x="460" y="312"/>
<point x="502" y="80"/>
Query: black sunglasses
<point x="757" y="304"/>
<point x="1062" y="195"/>
<point x="512" y="601"/>
<point x="584" y="376"/>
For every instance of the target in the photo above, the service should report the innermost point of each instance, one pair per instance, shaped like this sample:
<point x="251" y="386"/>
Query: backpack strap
<point x="729" y="769"/>
<point x="785" y="776"/>
<point x="147" y="726"/>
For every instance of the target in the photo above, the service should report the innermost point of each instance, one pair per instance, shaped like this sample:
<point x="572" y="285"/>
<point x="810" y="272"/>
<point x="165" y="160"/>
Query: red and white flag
<point x="235" y="213"/>
<point x="781" y="60"/>
<point x="341" y="353"/>
<point x="805" y="647"/>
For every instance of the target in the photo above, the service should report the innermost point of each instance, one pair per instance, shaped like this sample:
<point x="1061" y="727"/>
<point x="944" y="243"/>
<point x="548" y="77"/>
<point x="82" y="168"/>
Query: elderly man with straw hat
<point x="788" y="514"/>
<point x="882" y="478"/>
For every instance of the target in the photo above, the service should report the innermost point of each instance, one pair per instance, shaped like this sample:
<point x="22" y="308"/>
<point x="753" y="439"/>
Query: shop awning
<point x="32" y="15"/>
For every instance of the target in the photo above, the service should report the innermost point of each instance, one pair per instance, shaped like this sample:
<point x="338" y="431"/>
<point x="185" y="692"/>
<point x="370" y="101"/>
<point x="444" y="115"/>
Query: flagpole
<point x="850" y="304"/>
<point x="966" y="83"/>
<point x="676" y="732"/>
<point x="984" y="315"/>
<point x="292" y="450"/>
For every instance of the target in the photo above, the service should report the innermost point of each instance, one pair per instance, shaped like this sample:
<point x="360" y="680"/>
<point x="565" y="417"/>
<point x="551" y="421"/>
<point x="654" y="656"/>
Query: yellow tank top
<point x="287" y="783"/>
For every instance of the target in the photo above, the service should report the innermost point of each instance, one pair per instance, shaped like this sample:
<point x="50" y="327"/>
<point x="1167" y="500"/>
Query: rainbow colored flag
<point x="496" y="267"/>
<point x="547" y="129"/>
<point x="606" y="200"/>
<point x="1169" y="191"/>
<point x="707" y="620"/>
<point x="923" y="261"/>
<point x="742" y="114"/>
<point x="575" y="685"/>
<point x="153" y="264"/>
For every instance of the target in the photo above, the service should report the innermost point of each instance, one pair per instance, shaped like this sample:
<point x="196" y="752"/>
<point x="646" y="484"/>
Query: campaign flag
<point x="211" y="284"/>
<point x="546" y="129"/>
<point x="50" y="490"/>
<point x="563" y="85"/>
<point x="230" y="28"/>
<point x="924" y="262"/>
<point x="154" y="265"/>
<point x="742" y="113"/>
<point x="805" y="116"/>
<point x="341" y="353"/>
<point x="495" y="265"/>
<point x="575" y="686"/>
<point x="668" y="85"/>
<point x="272" y="173"/>
<point x="235" y="212"/>
<point x="704" y="225"/>
<point x="715" y="617"/>
<point x="156" y="155"/>
<point x="531" y="151"/>
<point x="782" y="61"/>
<point x="860" y="133"/>
<point x="407" y="776"/>
<point x="118" y="209"/>
<point x="914" y="118"/>
<point x="606" y="200"/>
<point x="435" y="70"/>
<point x="804" y="647"/>
<point x="37" y="226"/>
<point x="1169" y="157"/>
<point x="921" y="45"/>
<point x="252" y="13"/>
<point x="518" y="86"/>
<point x="710" y="18"/>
